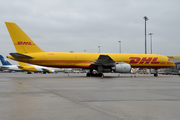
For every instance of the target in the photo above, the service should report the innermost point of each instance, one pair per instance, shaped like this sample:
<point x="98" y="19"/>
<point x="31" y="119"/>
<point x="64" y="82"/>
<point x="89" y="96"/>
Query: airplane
<point x="36" y="68"/>
<point x="8" y="66"/>
<point x="29" y="52"/>
<point x="25" y="67"/>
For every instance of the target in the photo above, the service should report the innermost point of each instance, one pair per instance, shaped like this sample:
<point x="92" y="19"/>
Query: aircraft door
<point x="162" y="60"/>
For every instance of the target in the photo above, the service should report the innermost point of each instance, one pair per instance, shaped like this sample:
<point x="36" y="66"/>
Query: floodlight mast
<point x="99" y="48"/>
<point x="151" y="40"/>
<point x="146" y="19"/>
<point x="119" y="46"/>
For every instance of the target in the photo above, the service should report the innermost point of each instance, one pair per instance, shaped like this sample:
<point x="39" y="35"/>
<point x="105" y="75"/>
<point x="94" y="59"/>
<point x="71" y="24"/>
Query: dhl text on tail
<point x="29" y="52"/>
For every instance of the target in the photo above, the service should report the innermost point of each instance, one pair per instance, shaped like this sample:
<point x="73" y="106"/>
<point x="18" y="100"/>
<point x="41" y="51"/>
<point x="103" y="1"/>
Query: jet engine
<point x="122" y="68"/>
<point x="51" y="71"/>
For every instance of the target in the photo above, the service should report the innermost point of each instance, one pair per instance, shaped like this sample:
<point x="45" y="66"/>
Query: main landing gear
<point x="156" y="73"/>
<point x="28" y="72"/>
<point x="91" y="74"/>
<point x="94" y="74"/>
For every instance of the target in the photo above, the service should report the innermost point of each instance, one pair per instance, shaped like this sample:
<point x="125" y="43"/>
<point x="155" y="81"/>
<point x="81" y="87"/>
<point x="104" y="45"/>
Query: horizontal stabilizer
<point x="20" y="56"/>
<point x="20" y="67"/>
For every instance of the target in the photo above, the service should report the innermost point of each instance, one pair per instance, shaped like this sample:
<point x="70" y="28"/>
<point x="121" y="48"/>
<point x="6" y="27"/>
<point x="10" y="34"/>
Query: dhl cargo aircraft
<point x="36" y="68"/>
<point x="29" y="52"/>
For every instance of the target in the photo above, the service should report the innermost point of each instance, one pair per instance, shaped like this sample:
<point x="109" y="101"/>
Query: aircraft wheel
<point x="155" y="75"/>
<point x="28" y="72"/>
<point x="94" y="75"/>
<point x="88" y="74"/>
<point x="100" y="74"/>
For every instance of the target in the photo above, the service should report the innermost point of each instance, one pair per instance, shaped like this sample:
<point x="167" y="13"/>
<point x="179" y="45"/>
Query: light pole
<point x="119" y="46"/>
<point x="151" y="40"/>
<point x="146" y="19"/>
<point x="99" y="48"/>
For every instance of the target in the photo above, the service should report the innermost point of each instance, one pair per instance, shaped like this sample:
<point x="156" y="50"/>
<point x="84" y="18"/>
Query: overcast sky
<point x="78" y="25"/>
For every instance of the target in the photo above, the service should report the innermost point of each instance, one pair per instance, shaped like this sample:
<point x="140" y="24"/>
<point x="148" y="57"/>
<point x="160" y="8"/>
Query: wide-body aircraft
<point x="29" y="52"/>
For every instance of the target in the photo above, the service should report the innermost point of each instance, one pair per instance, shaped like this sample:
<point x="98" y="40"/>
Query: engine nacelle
<point x="51" y="71"/>
<point x="122" y="68"/>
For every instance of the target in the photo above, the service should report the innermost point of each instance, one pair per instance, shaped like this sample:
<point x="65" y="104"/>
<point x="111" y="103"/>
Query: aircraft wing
<point x="104" y="60"/>
<point x="4" y="67"/>
<point x="21" y="56"/>
<point x="45" y="70"/>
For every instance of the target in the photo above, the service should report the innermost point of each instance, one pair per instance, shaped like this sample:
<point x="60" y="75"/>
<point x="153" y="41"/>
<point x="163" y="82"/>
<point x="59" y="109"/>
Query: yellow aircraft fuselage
<point x="84" y="60"/>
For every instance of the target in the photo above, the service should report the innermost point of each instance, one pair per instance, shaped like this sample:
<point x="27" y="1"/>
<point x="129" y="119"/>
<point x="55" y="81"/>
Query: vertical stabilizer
<point x="22" y="64"/>
<point x="4" y="62"/>
<point x="21" y="41"/>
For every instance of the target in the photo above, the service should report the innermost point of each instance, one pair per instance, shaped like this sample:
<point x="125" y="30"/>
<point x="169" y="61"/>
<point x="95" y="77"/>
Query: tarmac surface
<point x="76" y="97"/>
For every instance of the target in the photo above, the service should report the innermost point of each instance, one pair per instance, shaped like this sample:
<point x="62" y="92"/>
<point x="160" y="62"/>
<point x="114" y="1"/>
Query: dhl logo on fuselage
<point x="23" y="43"/>
<point x="31" y="68"/>
<point x="144" y="60"/>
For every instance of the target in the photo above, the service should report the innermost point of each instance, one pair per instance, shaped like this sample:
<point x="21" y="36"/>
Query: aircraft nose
<point x="173" y="64"/>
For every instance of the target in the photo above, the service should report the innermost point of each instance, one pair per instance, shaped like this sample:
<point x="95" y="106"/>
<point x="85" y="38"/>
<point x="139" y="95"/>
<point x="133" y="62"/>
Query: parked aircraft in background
<point x="29" y="52"/>
<point x="25" y="67"/>
<point x="36" y="68"/>
<point x="8" y="66"/>
<point x="175" y="59"/>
